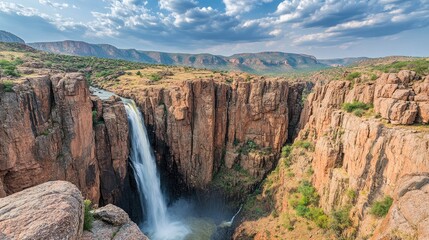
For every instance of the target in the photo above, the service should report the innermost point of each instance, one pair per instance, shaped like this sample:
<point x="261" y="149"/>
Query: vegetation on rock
<point x="420" y="66"/>
<point x="358" y="108"/>
<point x="8" y="68"/>
<point x="88" y="217"/>
<point x="381" y="208"/>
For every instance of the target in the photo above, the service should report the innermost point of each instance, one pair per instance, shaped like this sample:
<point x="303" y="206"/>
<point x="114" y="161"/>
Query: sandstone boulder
<point x="113" y="223"/>
<point x="406" y="76"/>
<point x="53" y="210"/>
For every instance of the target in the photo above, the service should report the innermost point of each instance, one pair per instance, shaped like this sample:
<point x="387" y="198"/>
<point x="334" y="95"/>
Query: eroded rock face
<point x="113" y="223"/>
<point x="112" y="147"/>
<point x="47" y="133"/>
<point x="409" y="216"/>
<point x="362" y="154"/>
<point x="53" y="210"/>
<point x="196" y="124"/>
<point x="401" y="99"/>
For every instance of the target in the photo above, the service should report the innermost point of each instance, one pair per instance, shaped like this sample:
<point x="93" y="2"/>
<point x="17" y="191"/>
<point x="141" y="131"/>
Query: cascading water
<point x="159" y="225"/>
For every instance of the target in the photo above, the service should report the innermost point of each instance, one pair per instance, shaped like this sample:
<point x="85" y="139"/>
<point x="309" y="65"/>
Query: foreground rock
<point x="113" y="223"/>
<point x="53" y="210"/>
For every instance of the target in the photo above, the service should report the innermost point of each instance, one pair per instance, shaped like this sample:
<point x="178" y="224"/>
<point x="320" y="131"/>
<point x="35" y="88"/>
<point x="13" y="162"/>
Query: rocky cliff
<point x="361" y="153"/>
<point x="200" y="128"/>
<point x="354" y="161"/>
<point x="51" y="129"/>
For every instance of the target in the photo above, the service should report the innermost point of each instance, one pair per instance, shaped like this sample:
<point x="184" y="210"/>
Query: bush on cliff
<point x="356" y="106"/>
<point x="8" y="68"/>
<point x="8" y="85"/>
<point x="381" y="208"/>
<point x="88" y="216"/>
<point x="304" y="144"/>
<point x="353" y="75"/>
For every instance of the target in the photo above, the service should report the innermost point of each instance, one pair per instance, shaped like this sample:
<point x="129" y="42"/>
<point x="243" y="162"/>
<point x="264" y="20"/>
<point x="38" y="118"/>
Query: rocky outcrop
<point x="113" y="223"/>
<point x="408" y="218"/>
<point x="362" y="154"/>
<point x="47" y="132"/>
<point x="53" y="210"/>
<point x="400" y="98"/>
<point x="199" y="125"/>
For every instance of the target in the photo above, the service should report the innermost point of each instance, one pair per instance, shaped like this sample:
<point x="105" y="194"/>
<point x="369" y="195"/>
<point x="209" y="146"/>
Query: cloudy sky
<point x="325" y="29"/>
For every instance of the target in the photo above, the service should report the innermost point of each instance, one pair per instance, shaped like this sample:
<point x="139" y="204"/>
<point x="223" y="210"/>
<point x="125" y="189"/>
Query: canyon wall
<point x="372" y="155"/>
<point x="51" y="129"/>
<point x="200" y="126"/>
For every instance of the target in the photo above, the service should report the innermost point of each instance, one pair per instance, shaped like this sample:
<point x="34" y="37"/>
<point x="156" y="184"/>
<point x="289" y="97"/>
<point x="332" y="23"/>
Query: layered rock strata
<point x="48" y="132"/>
<point x="364" y="154"/>
<point x="198" y="126"/>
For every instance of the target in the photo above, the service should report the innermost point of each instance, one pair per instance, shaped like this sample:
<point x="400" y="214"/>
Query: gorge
<point x="222" y="140"/>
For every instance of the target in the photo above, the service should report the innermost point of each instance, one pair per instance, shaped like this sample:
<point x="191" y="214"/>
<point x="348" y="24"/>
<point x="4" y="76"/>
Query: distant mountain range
<point x="336" y="62"/>
<point x="264" y="62"/>
<point x="9" y="37"/>
<point x="259" y="63"/>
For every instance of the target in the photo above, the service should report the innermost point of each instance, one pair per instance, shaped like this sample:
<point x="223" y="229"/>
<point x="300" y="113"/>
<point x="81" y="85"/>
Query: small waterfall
<point x="229" y="223"/>
<point x="159" y="225"/>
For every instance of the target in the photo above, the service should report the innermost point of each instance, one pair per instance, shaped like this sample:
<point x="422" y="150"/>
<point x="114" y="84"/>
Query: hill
<point x="259" y="63"/>
<point x="9" y="37"/>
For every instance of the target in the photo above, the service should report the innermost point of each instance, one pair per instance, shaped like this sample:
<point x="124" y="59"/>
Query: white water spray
<point x="159" y="226"/>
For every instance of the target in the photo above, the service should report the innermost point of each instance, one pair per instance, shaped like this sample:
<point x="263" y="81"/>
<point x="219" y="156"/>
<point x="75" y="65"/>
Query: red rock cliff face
<point x="370" y="157"/>
<point x="46" y="132"/>
<point x="197" y="126"/>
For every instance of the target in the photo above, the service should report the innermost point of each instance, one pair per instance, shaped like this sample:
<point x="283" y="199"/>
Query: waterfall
<point x="159" y="224"/>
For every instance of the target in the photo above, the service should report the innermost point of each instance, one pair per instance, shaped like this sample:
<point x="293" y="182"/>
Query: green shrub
<point x="373" y="77"/>
<point x="155" y="77"/>
<point x="358" y="112"/>
<point x="381" y="208"/>
<point x="420" y="66"/>
<point x="302" y="210"/>
<point x="286" y="150"/>
<point x="340" y="220"/>
<point x="304" y="144"/>
<point x="104" y="73"/>
<point x="88" y="218"/>
<point x="319" y="217"/>
<point x="353" y="75"/>
<point x="95" y="119"/>
<point x="309" y="194"/>
<point x="351" y="107"/>
<point x="8" y="68"/>
<point x="8" y="85"/>
<point x="250" y="146"/>
<point x="351" y="194"/>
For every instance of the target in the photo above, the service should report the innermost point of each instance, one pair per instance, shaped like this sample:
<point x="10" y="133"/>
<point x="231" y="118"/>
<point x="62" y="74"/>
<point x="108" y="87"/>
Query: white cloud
<point x="237" y="7"/>
<point x="54" y="4"/>
<point x="57" y="20"/>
